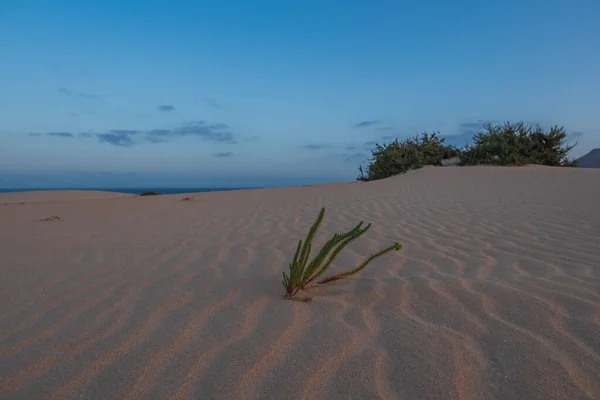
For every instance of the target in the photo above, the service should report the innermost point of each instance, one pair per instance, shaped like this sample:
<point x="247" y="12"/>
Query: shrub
<point x="303" y="272"/>
<point x="518" y="144"/>
<point x="149" y="193"/>
<point x="401" y="156"/>
<point x="507" y="144"/>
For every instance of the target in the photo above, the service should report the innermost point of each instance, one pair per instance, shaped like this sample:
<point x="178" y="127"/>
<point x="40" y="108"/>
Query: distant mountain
<point x="590" y="160"/>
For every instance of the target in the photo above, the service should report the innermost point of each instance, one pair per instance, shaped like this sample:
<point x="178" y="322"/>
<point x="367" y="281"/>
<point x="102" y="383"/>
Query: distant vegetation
<point x="507" y="144"/>
<point x="149" y="193"/>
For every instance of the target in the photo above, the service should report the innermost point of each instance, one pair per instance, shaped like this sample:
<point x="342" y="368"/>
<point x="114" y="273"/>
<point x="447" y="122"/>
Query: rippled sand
<point x="496" y="294"/>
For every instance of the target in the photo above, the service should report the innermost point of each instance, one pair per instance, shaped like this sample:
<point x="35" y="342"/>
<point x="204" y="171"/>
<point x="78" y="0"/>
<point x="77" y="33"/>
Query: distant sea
<point x="137" y="190"/>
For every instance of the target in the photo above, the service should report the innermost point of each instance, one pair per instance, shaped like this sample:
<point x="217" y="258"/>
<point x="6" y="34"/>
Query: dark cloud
<point x="156" y="139"/>
<point x="126" y="137"/>
<point x="459" y="140"/>
<point x="365" y="124"/>
<point x="224" y="154"/>
<point x="125" y="132"/>
<point x="61" y="134"/>
<point x="200" y="129"/>
<point x="351" y="148"/>
<point x="355" y="157"/>
<point x="158" y="135"/>
<point x="370" y="144"/>
<point x="119" y="137"/>
<point x="465" y="132"/>
<point x="55" y="134"/>
<point x="116" y="139"/>
<point x="213" y="104"/>
<point x="213" y="133"/>
<point x="315" y="146"/>
<point x="159" y="132"/>
<point x="472" y="126"/>
<point x="165" y="108"/>
<point x="574" y="135"/>
<point x="84" y="95"/>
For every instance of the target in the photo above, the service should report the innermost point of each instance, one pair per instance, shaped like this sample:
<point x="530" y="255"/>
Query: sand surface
<point x="46" y="196"/>
<point x="496" y="294"/>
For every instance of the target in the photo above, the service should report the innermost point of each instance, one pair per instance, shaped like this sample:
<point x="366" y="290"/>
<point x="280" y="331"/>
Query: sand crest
<point x="496" y="294"/>
<point x="44" y="196"/>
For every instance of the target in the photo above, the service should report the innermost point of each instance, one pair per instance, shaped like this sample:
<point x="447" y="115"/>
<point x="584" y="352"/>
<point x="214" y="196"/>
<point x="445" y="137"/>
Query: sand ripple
<point x="496" y="294"/>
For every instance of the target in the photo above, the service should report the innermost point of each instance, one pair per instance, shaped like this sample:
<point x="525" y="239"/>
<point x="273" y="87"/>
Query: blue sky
<point x="229" y="93"/>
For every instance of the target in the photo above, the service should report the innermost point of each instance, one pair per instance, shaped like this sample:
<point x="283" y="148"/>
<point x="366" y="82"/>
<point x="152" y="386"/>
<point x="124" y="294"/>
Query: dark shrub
<point x="402" y="156"/>
<point x="508" y="144"/>
<point x="149" y="193"/>
<point x="518" y="144"/>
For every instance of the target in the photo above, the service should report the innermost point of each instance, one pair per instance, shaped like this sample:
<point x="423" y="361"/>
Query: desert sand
<point x="45" y="196"/>
<point x="496" y="294"/>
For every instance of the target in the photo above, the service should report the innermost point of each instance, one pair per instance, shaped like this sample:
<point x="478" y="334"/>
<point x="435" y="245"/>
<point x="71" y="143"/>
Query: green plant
<point x="518" y="144"/>
<point x="149" y="193"/>
<point x="501" y="144"/>
<point x="302" y="272"/>
<point x="401" y="156"/>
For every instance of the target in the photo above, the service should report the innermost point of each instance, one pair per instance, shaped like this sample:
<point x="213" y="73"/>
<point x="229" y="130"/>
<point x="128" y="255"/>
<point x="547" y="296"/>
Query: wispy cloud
<point x="213" y="104"/>
<point x="116" y="138"/>
<point x="165" y="108"/>
<point x="315" y="146"/>
<point x="224" y="154"/>
<point x="355" y="157"/>
<point x="81" y="113"/>
<point x="575" y="135"/>
<point x="220" y="133"/>
<point x="353" y="148"/>
<point x="55" y="134"/>
<point x="126" y="132"/>
<point x="209" y="132"/>
<point x="61" y="134"/>
<point x="465" y="132"/>
<point x="472" y="127"/>
<point x="365" y="124"/>
<point x="85" y="95"/>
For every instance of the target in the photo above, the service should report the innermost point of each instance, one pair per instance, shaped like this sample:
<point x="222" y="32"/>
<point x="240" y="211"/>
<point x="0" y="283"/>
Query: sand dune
<point x="44" y="196"/>
<point x="496" y="294"/>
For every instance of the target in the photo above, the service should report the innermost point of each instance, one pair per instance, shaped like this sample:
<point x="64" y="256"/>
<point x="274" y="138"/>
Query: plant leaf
<point x="395" y="247"/>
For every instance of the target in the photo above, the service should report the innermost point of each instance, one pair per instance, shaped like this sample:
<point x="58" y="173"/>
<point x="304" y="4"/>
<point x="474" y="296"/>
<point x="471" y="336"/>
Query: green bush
<point x="401" y="156"/>
<point x="149" y="193"/>
<point x="518" y="144"/>
<point x="507" y="144"/>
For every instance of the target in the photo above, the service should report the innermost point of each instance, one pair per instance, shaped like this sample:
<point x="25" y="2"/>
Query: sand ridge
<point x="45" y="196"/>
<point x="496" y="294"/>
